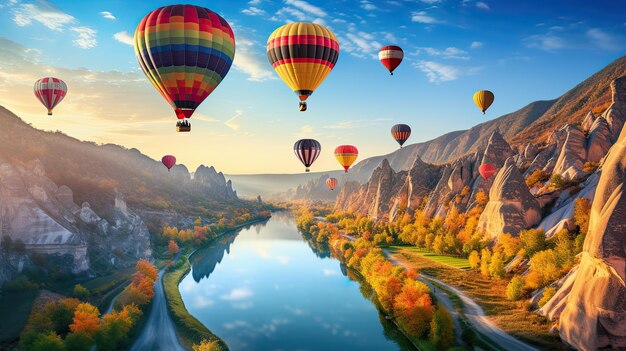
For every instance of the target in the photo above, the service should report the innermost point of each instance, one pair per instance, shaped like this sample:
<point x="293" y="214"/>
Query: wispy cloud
<point x="44" y="13"/>
<point x="546" y="42"/>
<point x="307" y="7"/>
<point x="238" y="294"/>
<point x="86" y="37"/>
<point x="329" y="272"/>
<point x="447" y="53"/>
<point x="439" y="73"/>
<point x="367" y="5"/>
<point x="253" y="11"/>
<point x="124" y="37"/>
<point x="232" y="122"/>
<point x="476" y="45"/>
<point x="342" y="125"/>
<point x="250" y="61"/>
<point x="603" y="40"/>
<point x="483" y="5"/>
<point x="108" y="15"/>
<point x="423" y="17"/>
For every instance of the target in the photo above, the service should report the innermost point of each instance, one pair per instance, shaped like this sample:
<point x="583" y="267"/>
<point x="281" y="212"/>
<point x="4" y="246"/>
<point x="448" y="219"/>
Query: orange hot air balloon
<point x="332" y="183"/>
<point x="483" y="99"/>
<point x="346" y="155"/>
<point x="487" y="170"/>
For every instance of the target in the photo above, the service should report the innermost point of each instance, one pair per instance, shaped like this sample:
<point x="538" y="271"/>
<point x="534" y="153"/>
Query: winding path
<point x="159" y="332"/>
<point x="472" y="311"/>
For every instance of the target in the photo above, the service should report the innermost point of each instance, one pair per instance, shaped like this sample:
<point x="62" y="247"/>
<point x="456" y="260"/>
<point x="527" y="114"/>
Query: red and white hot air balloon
<point x="50" y="91"/>
<point x="487" y="170"/>
<point x="332" y="183"/>
<point x="168" y="161"/>
<point x="391" y="56"/>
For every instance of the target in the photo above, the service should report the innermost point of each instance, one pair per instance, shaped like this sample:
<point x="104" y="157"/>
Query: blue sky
<point x="522" y="51"/>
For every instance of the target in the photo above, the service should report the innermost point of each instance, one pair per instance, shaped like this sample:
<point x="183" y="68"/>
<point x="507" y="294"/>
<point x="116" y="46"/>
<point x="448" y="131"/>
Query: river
<point x="265" y="288"/>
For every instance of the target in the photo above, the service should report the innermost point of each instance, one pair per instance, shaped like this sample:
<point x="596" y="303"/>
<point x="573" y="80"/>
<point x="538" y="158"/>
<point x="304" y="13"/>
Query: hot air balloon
<point x="486" y="170"/>
<point x="185" y="51"/>
<point x="332" y="183"/>
<point x="391" y="56"/>
<point x="346" y="155"/>
<point x="306" y="151"/>
<point x="168" y="161"/>
<point x="401" y="132"/>
<point x="483" y="99"/>
<point x="302" y="54"/>
<point x="50" y="91"/>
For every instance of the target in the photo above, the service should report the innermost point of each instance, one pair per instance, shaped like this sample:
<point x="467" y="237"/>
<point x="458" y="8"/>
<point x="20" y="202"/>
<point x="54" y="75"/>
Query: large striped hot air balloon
<point x="302" y="54"/>
<point x="185" y="51"/>
<point x="168" y="161"/>
<point x="332" y="183"/>
<point x="50" y="91"/>
<point x="487" y="170"/>
<point x="401" y="132"/>
<point x="391" y="56"/>
<point x="306" y="151"/>
<point x="483" y="99"/>
<point x="346" y="155"/>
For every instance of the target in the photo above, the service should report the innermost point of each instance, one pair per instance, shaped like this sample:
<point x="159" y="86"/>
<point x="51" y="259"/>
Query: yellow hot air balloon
<point x="303" y="54"/>
<point x="483" y="99"/>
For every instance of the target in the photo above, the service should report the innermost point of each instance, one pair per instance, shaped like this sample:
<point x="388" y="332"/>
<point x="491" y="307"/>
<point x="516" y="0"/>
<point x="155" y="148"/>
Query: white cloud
<point x="476" y="45"/>
<point x="483" y="5"/>
<point x="437" y="72"/>
<point x="342" y="125"/>
<point x="547" y="42"/>
<point x="431" y="1"/>
<point x="108" y="15"/>
<point x="232" y="122"/>
<point x="447" y="53"/>
<point x="307" y="7"/>
<point x="253" y="11"/>
<point x="286" y="12"/>
<point x="366" y="5"/>
<point x="237" y="294"/>
<point x="124" y="37"/>
<point x="306" y="129"/>
<point x="329" y="272"/>
<point x="423" y="17"/>
<point x="86" y="37"/>
<point x="52" y="18"/>
<point x="250" y="61"/>
<point x="254" y="2"/>
<point x="603" y="40"/>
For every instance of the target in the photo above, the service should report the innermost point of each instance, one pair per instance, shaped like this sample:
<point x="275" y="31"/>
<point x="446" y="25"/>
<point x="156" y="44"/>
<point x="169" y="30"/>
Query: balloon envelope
<point x="346" y="155"/>
<point x="307" y="151"/>
<point x="303" y="54"/>
<point x="487" y="170"/>
<point x="50" y="91"/>
<point x="185" y="51"/>
<point x="332" y="183"/>
<point x="401" y="132"/>
<point x="483" y="99"/>
<point x="391" y="56"/>
<point x="168" y="161"/>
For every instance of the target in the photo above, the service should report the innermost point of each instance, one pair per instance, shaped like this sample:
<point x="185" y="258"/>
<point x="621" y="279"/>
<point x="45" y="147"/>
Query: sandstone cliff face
<point x="572" y="154"/>
<point x="590" y="308"/>
<point x="599" y="140"/>
<point x="44" y="216"/>
<point x="615" y="115"/>
<point x="511" y="207"/>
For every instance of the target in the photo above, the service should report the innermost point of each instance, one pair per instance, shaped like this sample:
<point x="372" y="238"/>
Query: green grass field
<point x="460" y="263"/>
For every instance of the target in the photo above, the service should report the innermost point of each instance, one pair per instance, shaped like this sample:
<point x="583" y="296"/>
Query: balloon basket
<point x="183" y="128"/>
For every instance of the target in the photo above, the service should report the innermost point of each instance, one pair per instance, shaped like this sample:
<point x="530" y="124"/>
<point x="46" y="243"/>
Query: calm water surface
<point x="265" y="288"/>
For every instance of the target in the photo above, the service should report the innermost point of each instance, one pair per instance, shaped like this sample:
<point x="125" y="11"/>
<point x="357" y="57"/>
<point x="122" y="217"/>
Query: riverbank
<point x="189" y="329"/>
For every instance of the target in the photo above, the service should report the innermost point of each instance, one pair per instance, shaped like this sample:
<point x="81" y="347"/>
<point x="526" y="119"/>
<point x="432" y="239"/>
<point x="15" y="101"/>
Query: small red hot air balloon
<point x="487" y="170"/>
<point x="391" y="56"/>
<point x="168" y="161"/>
<point x="50" y="91"/>
<point x="332" y="183"/>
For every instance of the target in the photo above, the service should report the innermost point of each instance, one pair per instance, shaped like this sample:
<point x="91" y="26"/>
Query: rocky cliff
<point x="45" y="218"/>
<point x="213" y="184"/>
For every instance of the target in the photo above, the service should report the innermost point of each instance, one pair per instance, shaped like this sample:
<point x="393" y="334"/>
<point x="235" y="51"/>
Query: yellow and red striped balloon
<point x="303" y="54"/>
<point x="346" y="155"/>
<point x="332" y="183"/>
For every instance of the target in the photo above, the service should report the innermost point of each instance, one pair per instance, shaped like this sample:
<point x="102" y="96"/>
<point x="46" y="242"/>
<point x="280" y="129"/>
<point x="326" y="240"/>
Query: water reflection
<point x="262" y="289"/>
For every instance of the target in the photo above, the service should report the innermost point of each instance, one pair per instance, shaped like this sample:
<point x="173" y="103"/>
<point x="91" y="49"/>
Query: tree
<point x="582" y="209"/>
<point x="49" y="341"/>
<point x="413" y="308"/>
<point x="548" y="293"/>
<point x="515" y="289"/>
<point x="147" y="268"/>
<point x="113" y="330"/>
<point x="485" y="259"/>
<point x="80" y="291"/>
<point x="509" y="245"/>
<point x="532" y="240"/>
<point x="78" y="342"/>
<point x="85" y="319"/>
<point x="172" y="247"/>
<point x="62" y="313"/>
<point x="557" y="181"/>
<point x="481" y="198"/>
<point x="545" y="265"/>
<point x="474" y="259"/>
<point x="206" y="345"/>
<point x="441" y="328"/>
<point x="496" y="266"/>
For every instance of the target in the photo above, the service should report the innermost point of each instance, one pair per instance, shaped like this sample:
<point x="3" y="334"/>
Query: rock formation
<point x="511" y="207"/>
<point x="615" y="115"/>
<point x="590" y="306"/>
<point x="599" y="140"/>
<point x="572" y="154"/>
<point x="213" y="184"/>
